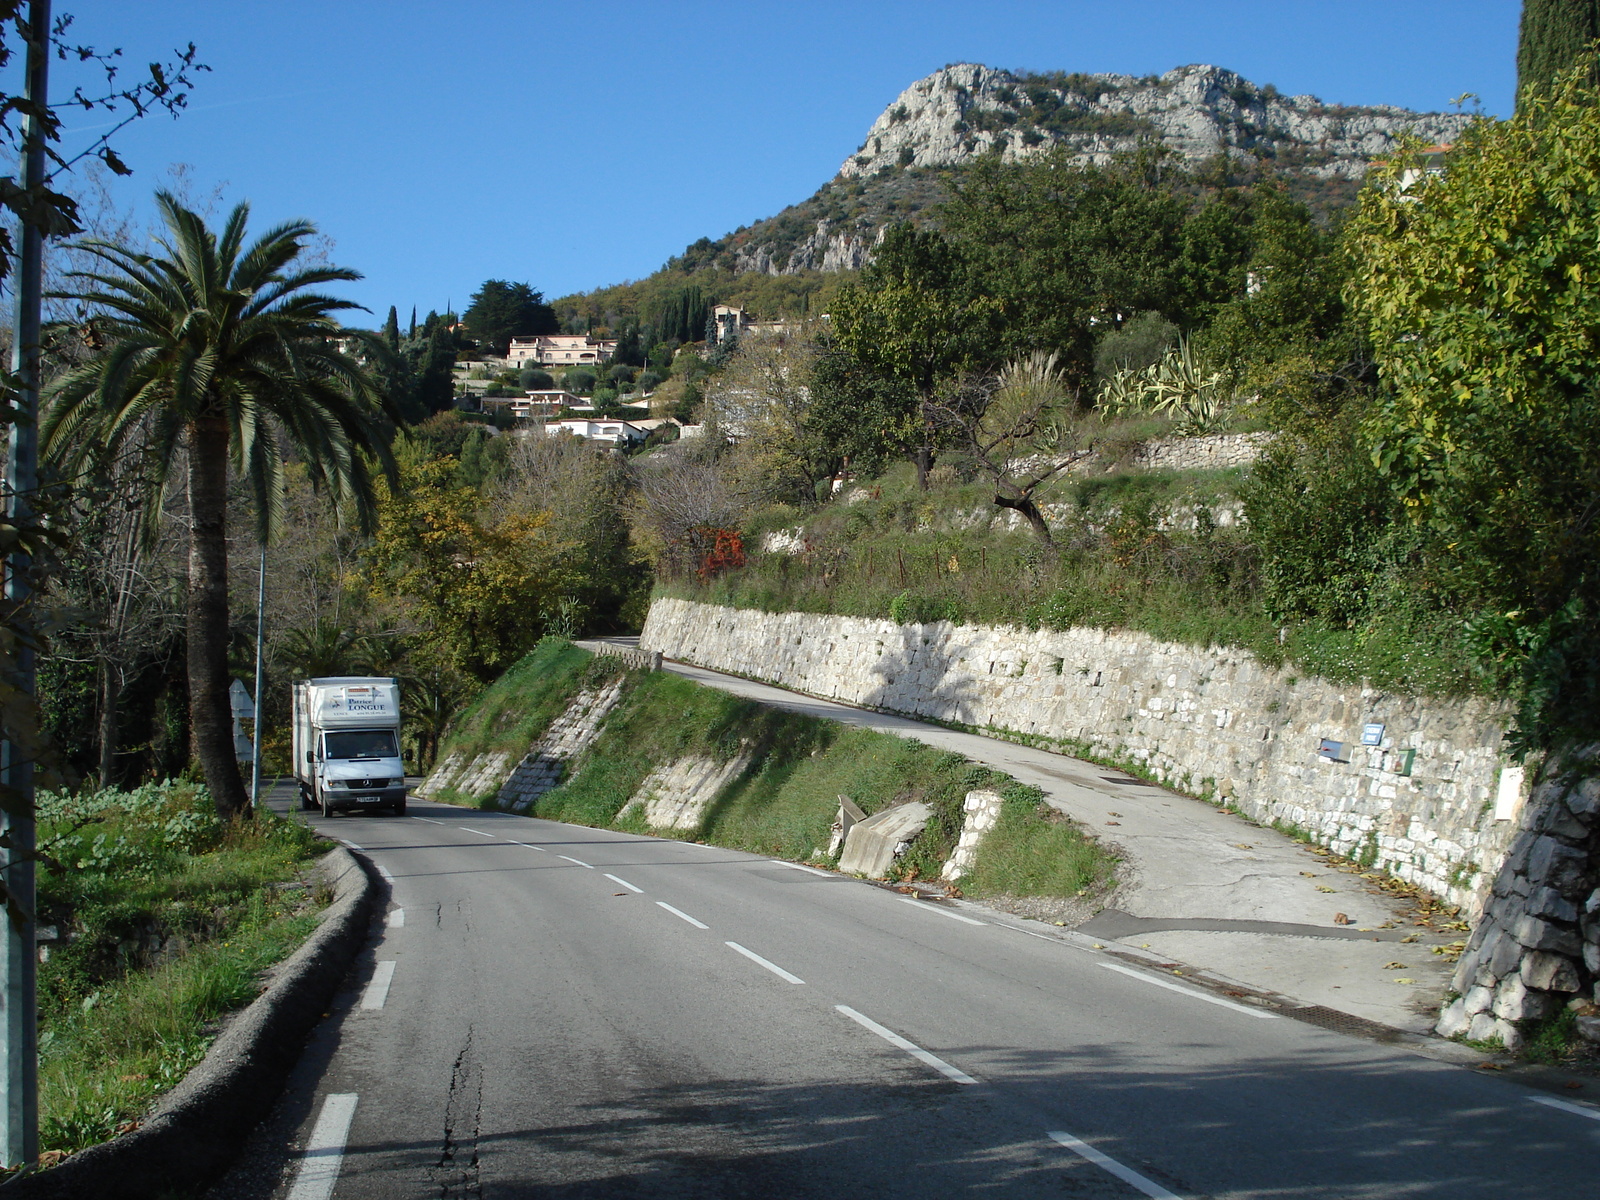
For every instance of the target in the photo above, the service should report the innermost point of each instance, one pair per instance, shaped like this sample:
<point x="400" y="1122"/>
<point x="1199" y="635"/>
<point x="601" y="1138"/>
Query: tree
<point x="1555" y="36"/>
<point x="500" y="311"/>
<point x="916" y="316"/>
<point x="1066" y="248"/>
<point x="1477" y="290"/>
<point x="1016" y="426"/>
<point x="219" y="354"/>
<point x="391" y="330"/>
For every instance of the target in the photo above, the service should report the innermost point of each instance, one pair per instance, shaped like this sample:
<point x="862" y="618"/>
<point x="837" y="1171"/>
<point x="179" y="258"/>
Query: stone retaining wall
<point x="1211" y="722"/>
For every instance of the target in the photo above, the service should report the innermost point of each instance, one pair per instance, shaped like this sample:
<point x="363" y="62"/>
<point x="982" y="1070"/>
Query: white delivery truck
<point x="347" y="744"/>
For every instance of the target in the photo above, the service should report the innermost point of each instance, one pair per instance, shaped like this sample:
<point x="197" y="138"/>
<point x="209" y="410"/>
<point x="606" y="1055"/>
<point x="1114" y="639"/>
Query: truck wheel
<point x="307" y="800"/>
<point x="327" y="809"/>
<point x="400" y="809"/>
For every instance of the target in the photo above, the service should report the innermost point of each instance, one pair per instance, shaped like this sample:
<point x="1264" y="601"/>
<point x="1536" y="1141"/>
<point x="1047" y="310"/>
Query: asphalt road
<point x="555" y="1011"/>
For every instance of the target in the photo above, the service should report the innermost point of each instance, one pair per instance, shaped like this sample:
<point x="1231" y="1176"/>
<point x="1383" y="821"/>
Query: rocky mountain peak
<point x="966" y="110"/>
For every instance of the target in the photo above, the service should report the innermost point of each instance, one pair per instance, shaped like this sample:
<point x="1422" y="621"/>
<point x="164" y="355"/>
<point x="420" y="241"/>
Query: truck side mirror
<point x="311" y="756"/>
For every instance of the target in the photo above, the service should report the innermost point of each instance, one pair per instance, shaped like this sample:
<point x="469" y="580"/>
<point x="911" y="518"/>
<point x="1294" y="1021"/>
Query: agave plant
<point x="1178" y="386"/>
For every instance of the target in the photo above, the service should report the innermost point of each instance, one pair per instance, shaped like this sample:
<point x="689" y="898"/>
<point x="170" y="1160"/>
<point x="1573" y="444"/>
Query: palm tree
<point x="207" y="355"/>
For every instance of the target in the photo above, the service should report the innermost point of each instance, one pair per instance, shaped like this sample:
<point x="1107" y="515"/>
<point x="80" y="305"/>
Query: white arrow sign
<point x="239" y="701"/>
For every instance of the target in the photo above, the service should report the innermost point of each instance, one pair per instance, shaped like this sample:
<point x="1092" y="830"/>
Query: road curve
<point x="556" y="1011"/>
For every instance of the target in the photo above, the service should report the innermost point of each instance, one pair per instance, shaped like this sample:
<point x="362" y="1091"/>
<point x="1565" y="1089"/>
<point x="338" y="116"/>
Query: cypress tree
<point x="413" y="331"/>
<point x="1555" y="36"/>
<point x="391" y="329"/>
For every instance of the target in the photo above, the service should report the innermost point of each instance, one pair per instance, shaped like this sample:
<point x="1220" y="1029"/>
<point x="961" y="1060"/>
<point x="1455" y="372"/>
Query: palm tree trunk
<point x="209" y="714"/>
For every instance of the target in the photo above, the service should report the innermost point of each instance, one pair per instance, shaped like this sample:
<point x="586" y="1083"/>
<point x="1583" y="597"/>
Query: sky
<point x="574" y="145"/>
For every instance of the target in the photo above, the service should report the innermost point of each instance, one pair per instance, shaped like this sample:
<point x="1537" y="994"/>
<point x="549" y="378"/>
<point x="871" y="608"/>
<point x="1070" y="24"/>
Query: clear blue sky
<point x="573" y="145"/>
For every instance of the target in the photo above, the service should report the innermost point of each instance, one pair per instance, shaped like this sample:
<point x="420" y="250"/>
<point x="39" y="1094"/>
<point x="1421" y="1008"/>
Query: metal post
<point x="19" y="1067"/>
<point x="261" y="619"/>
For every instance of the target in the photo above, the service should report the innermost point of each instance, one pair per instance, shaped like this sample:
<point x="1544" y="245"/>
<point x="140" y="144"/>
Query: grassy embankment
<point x="166" y="919"/>
<point x="1134" y="549"/>
<point x="785" y="802"/>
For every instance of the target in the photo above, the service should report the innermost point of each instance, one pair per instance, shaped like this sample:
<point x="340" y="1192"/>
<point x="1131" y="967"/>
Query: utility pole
<point x="261" y="625"/>
<point x="19" y="1063"/>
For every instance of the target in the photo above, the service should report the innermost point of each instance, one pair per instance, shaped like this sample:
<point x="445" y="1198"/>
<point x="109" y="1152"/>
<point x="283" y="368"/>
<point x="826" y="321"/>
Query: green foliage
<point x="1138" y="344"/>
<point x="785" y="801"/>
<point x="1033" y="850"/>
<point x="1556" y="36"/>
<point x="1476" y="288"/>
<point x="535" y="380"/>
<point x="578" y="381"/>
<point x="168" y="917"/>
<point x="500" y="311"/>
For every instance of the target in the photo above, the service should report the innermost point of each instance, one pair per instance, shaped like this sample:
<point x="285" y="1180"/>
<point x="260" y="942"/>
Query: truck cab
<point x="347" y="745"/>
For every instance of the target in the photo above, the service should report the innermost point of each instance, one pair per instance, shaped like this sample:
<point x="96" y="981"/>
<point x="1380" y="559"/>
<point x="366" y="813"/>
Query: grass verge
<point x="784" y="801"/>
<point x="165" y="920"/>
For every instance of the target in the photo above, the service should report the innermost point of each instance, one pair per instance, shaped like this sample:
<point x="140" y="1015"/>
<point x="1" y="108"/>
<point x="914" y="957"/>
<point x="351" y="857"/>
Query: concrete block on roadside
<point x="869" y="848"/>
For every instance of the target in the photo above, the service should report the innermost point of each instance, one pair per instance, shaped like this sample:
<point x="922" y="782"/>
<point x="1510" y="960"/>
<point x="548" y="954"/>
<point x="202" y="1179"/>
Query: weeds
<point x="165" y="918"/>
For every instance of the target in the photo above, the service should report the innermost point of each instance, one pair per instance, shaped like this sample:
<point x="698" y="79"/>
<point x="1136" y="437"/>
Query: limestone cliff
<point x="962" y="112"/>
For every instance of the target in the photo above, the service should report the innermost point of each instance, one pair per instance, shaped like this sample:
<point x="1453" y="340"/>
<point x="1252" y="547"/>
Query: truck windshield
<point x="360" y="743"/>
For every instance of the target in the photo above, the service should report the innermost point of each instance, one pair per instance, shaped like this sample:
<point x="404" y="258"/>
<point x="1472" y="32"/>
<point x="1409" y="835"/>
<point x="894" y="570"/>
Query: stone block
<point x="1555" y="864"/>
<point x="870" y="848"/>
<point x="1484" y="1026"/>
<point x="1584" y="798"/>
<point x="1537" y="934"/>
<point x="1555" y="819"/>
<point x="1478" y="1000"/>
<point x="1505" y="955"/>
<point x="1454" y="1020"/>
<point x="1591" y="957"/>
<point x="1589" y="1029"/>
<point x="1510" y="1036"/>
<point x="1547" y="972"/>
<point x="1549" y="904"/>
<point x="1515" y="1001"/>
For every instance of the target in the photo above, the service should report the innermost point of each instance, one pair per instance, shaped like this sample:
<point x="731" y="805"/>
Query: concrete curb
<point x="196" y="1131"/>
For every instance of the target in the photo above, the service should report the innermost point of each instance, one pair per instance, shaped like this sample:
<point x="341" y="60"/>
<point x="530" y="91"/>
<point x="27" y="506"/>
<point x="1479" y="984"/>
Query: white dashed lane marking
<point x="911" y="1048"/>
<point x="324" y="1152"/>
<point x="771" y="966"/>
<point x="624" y="883"/>
<point x="579" y="861"/>
<point x="678" y="912"/>
<point x="378" y="990"/>
<point x="1112" y="1167"/>
<point x="397" y="918"/>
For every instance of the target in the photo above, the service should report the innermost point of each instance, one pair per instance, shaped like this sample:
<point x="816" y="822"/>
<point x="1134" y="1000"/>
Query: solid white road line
<point x="324" y="1153"/>
<point x="479" y="832"/>
<point x="526" y="846"/>
<point x="798" y="867"/>
<point x="348" y="845"/>
<point x="678" y="912"/>
<point x="625" y="883"/>
<point x="384" y="871"/>
<point x="1565" y="1106"/>
<point x="378" y="990"/>
<point x="429" y="820"/>
<point x="1112" y="1167"/>
<point x="579" y="861"/>
<point x="911" y="1048"/>
<point x="757" y="959"/>
<point x="943" y="912"/>
<point x="397" y="918"/>
<point x="1145" y="977"/>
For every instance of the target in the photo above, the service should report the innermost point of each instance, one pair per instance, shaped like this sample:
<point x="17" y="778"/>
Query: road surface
<point x="555" y="1011"/>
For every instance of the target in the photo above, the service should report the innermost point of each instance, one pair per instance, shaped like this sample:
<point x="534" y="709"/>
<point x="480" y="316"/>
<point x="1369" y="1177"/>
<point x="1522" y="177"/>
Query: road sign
<point x="239" y="701"/>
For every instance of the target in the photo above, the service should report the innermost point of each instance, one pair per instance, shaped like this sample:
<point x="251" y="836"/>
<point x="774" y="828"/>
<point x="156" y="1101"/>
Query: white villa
<point x="559" y="350"/>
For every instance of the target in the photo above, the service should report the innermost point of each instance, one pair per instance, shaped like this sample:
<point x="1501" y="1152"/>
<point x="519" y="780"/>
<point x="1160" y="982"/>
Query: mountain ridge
<point x="964" y="111"/>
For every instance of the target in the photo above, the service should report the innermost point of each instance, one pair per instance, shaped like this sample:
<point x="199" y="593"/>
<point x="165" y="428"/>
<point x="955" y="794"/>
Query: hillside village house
<point x="733" y="321"/>
<point x="535" y="404"/>
<point x="618" y="433"/>
<point x="559" y="350"/>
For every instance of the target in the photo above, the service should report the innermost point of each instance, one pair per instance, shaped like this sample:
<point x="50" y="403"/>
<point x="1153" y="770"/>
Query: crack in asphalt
<point x="456" y="1172"/>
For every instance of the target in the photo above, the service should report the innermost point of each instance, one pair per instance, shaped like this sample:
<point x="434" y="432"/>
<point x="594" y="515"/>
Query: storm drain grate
<point x="1129" y="782"/>
<point x="1332" y="1018"/>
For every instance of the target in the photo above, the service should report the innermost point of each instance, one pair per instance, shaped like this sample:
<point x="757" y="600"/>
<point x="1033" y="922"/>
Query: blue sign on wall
<point x="1372" y="735"/>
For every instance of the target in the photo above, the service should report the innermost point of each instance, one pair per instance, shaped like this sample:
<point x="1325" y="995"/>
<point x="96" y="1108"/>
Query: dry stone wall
<point x="1420" y="803"/>
<point x="676" y="796"/>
